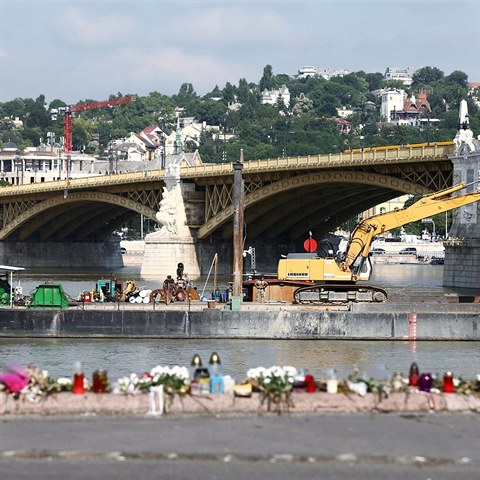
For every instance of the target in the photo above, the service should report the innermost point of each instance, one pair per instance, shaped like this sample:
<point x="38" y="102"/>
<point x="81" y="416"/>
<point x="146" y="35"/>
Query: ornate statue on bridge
<point x="464" y="141"/>
<point x="167" y="215"/>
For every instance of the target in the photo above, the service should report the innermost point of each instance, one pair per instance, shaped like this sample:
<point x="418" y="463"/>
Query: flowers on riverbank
<point x="33" y="382"/>
<point x="174" y="381"/>
<point x="275" y="385"/>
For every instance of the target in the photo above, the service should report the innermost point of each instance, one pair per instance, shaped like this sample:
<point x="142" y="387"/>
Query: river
<point x="122" y="357"/>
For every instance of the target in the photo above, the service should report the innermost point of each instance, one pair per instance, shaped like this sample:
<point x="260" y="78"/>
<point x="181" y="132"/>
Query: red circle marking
<point x="310" y="245"/>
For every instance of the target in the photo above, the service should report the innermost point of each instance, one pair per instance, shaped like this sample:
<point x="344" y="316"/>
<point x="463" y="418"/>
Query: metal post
<point x="238" y="207"/>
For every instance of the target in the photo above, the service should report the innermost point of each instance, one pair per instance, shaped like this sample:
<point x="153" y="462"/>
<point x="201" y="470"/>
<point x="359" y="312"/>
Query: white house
<point x="403" y="74"/>
<point x="326" y="73"/>
<point x="271" y="96"/>
<point x="392" y="100"/>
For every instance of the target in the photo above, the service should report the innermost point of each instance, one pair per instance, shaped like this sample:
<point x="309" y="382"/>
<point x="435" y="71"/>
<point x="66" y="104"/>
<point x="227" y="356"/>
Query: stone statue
<point x="464" y="141"/>
<point x="166" y="215"/>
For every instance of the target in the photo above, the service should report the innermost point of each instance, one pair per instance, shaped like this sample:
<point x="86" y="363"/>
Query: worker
<point x="261" y="285"/>
<point x="217" y="296"/>
<point x="180" y="269"/>
<point x="168" y="288"/>
<point x="226" y="296"/>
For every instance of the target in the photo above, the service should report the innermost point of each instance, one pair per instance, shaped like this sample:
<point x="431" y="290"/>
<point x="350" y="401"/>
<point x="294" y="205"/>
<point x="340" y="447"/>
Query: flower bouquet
<point x="173" y="379"/>
<point x="275" y="386"/>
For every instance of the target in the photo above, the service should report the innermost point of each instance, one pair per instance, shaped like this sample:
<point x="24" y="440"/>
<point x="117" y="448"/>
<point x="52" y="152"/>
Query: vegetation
<point x="306" y="126"/>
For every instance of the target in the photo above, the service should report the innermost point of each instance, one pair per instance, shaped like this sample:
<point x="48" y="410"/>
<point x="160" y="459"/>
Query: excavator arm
<point x="438" y="202"/>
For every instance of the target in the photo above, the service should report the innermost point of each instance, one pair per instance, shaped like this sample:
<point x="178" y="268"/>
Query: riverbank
<point x="306" y="403"/>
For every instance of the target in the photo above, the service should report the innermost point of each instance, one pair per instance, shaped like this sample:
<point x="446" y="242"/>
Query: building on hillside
<point x="307" y="71"/>
<point x="344" y="112"/>
<point x="403" y="74"/>
<point x="415" y="112"/>
<point x="271" y="96"/>
<point x="474" y="92"/>
<point x="326" y="73"/>
<point x="392" y="100"/>
<point x="10" y="147"/>
<point x="344" y="126"/>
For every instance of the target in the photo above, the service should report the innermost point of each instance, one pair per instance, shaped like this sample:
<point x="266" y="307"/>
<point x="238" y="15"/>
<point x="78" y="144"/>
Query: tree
<point x="185" y="95"/>
<point x="267" y="81"/>
<point x="228" y="93"/>
<point x="215" y="93"/>
<point x="14" y="108"/>
<point x="211" y="112"/>
<point x="243" y="92"/>
<point x="427" y="75"/>
<point x="374" y="80"/>
<point x="458" y="77"/>
<point x="38" y="115"/>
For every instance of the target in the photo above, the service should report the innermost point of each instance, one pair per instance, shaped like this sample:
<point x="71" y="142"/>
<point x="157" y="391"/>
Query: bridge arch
<point x="35" y="216"/>
<point x="377" y="182"/>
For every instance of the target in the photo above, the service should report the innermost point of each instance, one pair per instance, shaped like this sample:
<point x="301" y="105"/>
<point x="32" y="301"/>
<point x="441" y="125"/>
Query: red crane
<point x="82" y="107"/>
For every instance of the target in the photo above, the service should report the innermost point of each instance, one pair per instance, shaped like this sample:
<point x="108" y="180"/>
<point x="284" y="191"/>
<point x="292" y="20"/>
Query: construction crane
<point x="82" y="107"/>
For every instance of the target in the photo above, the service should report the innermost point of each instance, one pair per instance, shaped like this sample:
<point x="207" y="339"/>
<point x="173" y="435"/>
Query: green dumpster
<point x="48" y="296"/>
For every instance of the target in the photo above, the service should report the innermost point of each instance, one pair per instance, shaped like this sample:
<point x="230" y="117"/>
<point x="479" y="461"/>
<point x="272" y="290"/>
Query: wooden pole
<point x="238" y="207"/>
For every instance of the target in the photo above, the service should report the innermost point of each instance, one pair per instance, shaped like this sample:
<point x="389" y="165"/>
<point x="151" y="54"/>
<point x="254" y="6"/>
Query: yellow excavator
<point x="334" y="279"/>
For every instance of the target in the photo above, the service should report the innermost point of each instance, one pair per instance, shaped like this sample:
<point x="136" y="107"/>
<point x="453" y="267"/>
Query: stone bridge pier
<point x="462" y="249"/>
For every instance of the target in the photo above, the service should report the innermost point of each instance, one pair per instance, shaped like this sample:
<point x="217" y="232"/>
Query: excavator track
<point x="323" y="294"/>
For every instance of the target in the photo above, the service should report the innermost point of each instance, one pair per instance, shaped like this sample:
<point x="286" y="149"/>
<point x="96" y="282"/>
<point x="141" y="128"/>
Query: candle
<point x="78" y="386"/>
<point x="448" y="383"/>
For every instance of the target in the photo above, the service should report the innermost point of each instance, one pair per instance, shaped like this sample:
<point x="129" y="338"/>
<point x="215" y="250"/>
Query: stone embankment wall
<point x="319" y="402"/>
<point x="447" y="322"/>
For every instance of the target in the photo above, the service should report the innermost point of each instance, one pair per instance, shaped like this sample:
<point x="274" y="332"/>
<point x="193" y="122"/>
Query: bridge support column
<point x="163" y="254"/>
<point x="462" y="249"/>
<point x="174" y="242"/>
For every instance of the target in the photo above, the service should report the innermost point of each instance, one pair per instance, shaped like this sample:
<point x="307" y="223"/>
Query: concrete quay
<point x="388" y="321"/>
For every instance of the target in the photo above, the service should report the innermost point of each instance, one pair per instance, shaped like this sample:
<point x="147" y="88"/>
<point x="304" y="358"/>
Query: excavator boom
<point x="333" y="280"/>
<point x="432" y="204"/>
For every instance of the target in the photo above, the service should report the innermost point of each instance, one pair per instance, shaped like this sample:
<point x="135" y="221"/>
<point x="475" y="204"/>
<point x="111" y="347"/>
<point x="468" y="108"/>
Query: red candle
<point x="310" y="384"/>
<point x="78" y="383"/>
<point x="448" y="383"/>
<point x="78" y="379"/>
<point x="414" y="376"/>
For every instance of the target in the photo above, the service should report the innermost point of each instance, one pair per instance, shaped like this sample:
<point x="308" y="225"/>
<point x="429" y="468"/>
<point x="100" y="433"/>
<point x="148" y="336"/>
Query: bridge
<point x="284" y="197"/>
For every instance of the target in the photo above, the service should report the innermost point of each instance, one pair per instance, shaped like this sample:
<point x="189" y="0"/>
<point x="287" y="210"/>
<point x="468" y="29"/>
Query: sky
<point x="91" y="49"/>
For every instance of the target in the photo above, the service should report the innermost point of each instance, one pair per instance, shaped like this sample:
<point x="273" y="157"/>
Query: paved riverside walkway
<point x="336" y="446"/>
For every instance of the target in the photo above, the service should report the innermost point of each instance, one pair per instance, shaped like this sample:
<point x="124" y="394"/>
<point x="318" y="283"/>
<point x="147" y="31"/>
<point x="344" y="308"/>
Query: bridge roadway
<point x="284" y="197"/>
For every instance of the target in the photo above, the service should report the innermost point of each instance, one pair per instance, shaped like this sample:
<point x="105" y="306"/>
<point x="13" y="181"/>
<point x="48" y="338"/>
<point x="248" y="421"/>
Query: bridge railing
<point x="83" y="182"/>
<point x="323" y="161"/>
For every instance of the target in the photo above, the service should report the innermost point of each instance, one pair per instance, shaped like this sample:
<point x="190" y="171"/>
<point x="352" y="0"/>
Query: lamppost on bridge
<point x="163" y="153"/>
<point x="430" y="220"/>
